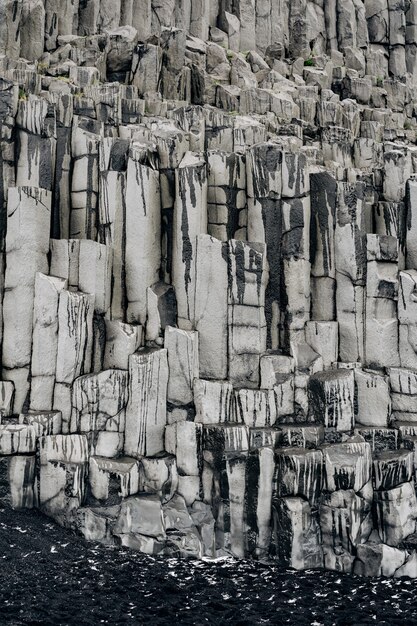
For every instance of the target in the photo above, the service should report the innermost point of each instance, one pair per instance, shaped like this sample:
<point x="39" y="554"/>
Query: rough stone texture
<point x="208" y="276"/>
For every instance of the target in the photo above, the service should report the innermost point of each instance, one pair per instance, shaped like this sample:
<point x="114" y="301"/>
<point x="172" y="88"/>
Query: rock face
<point x="208" y="276"/>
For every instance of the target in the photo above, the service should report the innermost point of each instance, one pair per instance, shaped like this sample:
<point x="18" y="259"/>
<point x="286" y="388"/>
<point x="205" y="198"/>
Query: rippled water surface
<point x="50" y="576"/>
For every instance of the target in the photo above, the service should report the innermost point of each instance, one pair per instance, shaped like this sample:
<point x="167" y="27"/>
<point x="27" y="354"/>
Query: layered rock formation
<point x="208" y="273"/>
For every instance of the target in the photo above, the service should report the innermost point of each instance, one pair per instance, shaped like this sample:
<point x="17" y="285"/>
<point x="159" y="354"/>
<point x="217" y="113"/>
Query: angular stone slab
<point x="146" y="409"/>
<point x="213" y="401"/>
<point x="122" y="340"/>
<point x="299" y="472"/>
<point x="110" y="480"/>
<point x="396" y="513"/>
<point x="331" y="397"/>
<point x="183" y="363"/>
<point x="347" y="465"/>
<point x="75" y="319"/>
<point x="345" y="522"/>
<point x="373" y="399"/>
<point x="17" y="439"/>
<point x="159" y="475"/>
<point x="141" y="515"/>
<point x="17" y="481"/>
<point x="297" y="534"/>
<point x="391" y="468"/>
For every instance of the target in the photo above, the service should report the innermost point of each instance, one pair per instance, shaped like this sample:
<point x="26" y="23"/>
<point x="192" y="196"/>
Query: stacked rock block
<point x="208" y="276"/>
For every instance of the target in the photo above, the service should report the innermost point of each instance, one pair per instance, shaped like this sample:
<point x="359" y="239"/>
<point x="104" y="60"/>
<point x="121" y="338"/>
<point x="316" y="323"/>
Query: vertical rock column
<point x="61" y="207"/>
<point x="190" y="220"/>
<point x="182" y="347"/>
<point x="264" y="185"/>
<point x="146" y="413"/>
<point x="411" y="232"/>
<point x="172" y="146"/>
<point x="10" y="16"/>
<point x="85" y="183"/>
<point x="95" y="273"/>
<point x="143" y="230"/>
<point x="75" y="343"/>
<point x="407" y="317"/>
<point x="45" y="340"/>
<point x="211" y="305"/>
<point x="98" y="410"/>
<point x="322" y="250"/>
<point x="246" y="311"/>
<point x="350" y="256"/>
<point x="226" y="449"/>
<point x="411" y="38"/>
<point x="259" y="487"/>
<point x="381" y="325"/>
<point x="295" y="305"/>
<point x="345" y="508"/>
<point x="397" y="38"/>
<point x="36" y="143"/>
<point x="175" y="83"/>
<point x="227" y="218"/>
<point x="27" y="245"/>
<point x="60" y="19"/>
<point x="391" y="219"/>
<point x="8" y="102"/>
<point x="298" y="482"/>
<point x="112" y="233"/>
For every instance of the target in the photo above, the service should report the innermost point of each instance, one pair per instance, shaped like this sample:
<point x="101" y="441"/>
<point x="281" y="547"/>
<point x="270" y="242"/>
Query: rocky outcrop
<point x="208" y="276"/>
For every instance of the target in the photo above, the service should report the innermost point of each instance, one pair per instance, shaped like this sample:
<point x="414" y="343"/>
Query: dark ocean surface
<point x="50" y="576"/>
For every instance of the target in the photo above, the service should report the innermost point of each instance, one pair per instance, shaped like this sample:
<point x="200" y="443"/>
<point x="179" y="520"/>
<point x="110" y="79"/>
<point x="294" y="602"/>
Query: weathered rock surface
<point x="208" y="276"/>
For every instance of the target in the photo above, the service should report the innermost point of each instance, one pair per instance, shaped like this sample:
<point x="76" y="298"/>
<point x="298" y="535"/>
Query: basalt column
<point x="350" y="251"/>
<point x="190" y="220"/>
<point x="143" y="231"/>
<point x="264" y="187"/>
<point x="27" y="245"/>
<point x="322" y="246"/>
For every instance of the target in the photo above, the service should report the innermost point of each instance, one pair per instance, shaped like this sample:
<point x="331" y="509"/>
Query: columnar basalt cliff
<point x="208" y="275"/>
